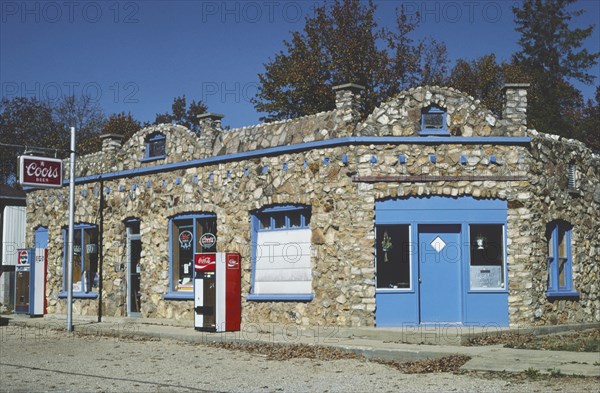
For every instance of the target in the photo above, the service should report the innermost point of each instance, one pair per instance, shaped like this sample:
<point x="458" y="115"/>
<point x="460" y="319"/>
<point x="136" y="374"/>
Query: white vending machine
<point x="30" y="281"/>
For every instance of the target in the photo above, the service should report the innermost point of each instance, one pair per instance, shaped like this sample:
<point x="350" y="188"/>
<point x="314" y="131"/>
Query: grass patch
<point x="532" y="373"/>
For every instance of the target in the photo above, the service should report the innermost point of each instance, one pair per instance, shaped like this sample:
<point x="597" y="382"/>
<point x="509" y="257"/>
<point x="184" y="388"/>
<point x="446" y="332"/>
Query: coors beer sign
<point x="40" y="171"/>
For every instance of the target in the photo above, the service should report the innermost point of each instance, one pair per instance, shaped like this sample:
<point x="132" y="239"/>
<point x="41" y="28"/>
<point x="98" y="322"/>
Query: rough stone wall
<point x="310" y="128"/>
<point x="550" y="200"/>
<point x="465" y="116"/>
<point x="342" y="221"/>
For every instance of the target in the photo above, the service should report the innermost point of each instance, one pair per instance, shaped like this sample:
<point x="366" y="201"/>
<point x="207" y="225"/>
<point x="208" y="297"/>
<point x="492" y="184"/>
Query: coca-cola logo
<point x="205" y="261"/>
<point x="233" y="263"/>
<point x="40" y="171"/>
<point x="208" y="240"/>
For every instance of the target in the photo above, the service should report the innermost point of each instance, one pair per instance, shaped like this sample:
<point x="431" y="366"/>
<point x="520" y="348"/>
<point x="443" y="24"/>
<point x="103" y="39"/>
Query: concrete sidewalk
<point x="388" y="344"/>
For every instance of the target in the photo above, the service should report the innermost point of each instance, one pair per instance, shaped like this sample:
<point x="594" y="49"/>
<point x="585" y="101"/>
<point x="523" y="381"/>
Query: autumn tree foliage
<point x="118" y="123"/>
<point x="88" y="118"/>
<point x="342" y="43"/>
<point x="484" y="77"/>
<point x="27" y="120"/>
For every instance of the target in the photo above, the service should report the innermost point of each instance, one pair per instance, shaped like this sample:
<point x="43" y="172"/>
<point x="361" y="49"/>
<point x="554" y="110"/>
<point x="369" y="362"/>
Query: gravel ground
<point x="57" y="362"/>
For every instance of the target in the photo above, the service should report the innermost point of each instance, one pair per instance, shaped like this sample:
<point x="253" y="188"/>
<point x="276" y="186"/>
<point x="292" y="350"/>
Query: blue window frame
<point x="281" y="246"/>
<point x="85" y="261"/>
<point x="185" y="233"/>
<point x="156" y="147"/>
<point x="560" y="261"/>
<point x="284" y="217"/>
<point x="433" y="121"/>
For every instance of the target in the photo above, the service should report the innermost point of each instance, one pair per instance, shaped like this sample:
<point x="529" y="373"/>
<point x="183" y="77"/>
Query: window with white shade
<point x="281" y="250"/>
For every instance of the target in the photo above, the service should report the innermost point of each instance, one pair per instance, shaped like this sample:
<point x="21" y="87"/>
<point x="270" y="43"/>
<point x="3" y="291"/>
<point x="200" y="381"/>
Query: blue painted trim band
<point x="78" y="295"/>
<point x="192" y="216"/>
<point x="155" y="158"/>
<point x="570" y="293"/>
<point x="394" y="291"/>
<point x="292" y="297"/>
<point x="179" y="296"/>
<point x="432" y="132"/>
<point x="283" y="208"/>
<point x="357" y="140"/>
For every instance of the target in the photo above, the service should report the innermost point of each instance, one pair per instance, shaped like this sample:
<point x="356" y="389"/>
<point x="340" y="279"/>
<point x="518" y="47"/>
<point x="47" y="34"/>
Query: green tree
<point x="183" y="114"/>
<point x="552" y="55"/>
<point x="588" y="127"/>
<point x="342" y="43"/>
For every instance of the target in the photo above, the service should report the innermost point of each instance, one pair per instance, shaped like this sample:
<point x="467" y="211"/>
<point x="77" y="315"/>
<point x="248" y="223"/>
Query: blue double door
<point x="425" y="262"/>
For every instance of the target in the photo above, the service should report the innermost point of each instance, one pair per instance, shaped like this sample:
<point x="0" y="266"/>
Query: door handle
<point x="420" y="280"/>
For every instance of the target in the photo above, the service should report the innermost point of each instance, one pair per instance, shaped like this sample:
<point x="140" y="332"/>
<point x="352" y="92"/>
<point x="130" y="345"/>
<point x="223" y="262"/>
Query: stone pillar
<point x="349" y="105"/>
<point x="514" y="110"/>
<point x="210" y="127"/>
<point x="111" y="144"/>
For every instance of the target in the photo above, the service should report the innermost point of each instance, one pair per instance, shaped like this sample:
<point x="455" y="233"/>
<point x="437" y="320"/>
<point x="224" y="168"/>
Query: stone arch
<point x="401" y="115"/>
<point x="195" y="208"/>
<point x="181" y="145"/>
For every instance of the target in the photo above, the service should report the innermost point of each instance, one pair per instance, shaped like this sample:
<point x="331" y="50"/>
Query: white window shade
<point x="283" y="262"/>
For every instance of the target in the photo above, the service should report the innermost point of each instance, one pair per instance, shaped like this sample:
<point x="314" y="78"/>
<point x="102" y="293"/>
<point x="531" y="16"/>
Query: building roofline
<point x="271" y="151"/>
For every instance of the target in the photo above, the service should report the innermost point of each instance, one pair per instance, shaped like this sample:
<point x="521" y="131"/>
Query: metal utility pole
<point x="71" y="233"/>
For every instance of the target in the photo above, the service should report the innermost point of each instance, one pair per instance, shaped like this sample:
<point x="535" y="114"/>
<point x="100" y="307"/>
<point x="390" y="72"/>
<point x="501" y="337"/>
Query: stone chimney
<point x="111" y="143"/>
<point x="210" y="127"/>
<point x="514" y="110"/>
<point x="349" y="104"/>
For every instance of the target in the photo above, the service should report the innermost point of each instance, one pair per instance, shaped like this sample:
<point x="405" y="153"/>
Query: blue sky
<point x="136" y="56"/>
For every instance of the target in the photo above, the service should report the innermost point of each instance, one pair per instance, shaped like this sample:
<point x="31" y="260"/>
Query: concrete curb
<point x="361" y="342"/>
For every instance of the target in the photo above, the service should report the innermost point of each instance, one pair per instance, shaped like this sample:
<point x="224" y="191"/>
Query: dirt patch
<point x="580" y="341"/>
<point x="288" y="351"/>
<point x="446" y="364"/>
<point x="292" y="351"/>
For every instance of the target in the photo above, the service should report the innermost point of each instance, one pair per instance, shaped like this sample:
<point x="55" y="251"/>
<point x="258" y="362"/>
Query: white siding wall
<point x="283" y="262"/>
<point x="13" y="233"/>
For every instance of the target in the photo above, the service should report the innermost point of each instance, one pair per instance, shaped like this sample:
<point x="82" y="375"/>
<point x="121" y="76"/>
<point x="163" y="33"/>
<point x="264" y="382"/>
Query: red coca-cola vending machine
<point x="217" y="292"/>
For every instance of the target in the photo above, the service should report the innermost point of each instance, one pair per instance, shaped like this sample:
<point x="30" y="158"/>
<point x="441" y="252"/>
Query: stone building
<point x="431" y="210"/>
